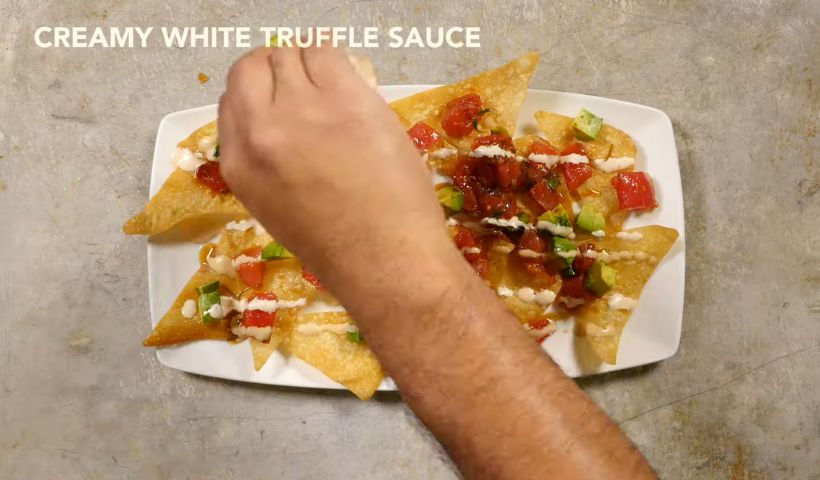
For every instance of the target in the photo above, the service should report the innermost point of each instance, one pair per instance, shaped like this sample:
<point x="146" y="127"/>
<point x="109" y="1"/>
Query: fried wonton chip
<point x="282" y="278"/>
<point x="351" y="364"/>
<point x="597" y="191"/>
<point x="502" y="90"/>
<point x="611" y="142"/>
<point x="174" y="328"/>
<point x="505" y="273"/>
<point x="603" y="325"/>
<point x="184" y="209"/>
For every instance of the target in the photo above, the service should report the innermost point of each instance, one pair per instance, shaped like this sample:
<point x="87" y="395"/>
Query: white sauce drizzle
<point x="491" y="151"/>
<point x="614" y="164"/>
<point x="616" y="301"/>
<point x="548" y="160"/>
<point x="574" y="158"/>
<point x="629" y="236"/>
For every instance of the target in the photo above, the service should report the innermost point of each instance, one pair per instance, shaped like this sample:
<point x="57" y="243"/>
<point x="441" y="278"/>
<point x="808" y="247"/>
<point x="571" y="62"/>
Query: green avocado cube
<point x="451" y="197"/>
<point x="208" y="287"/>
<point x="600" y="278"/>
<point x="275" y="250"/>
<point x="589" y="219"/>
<point x="587" y="125"/>
<point x="562" y="246"/>
<point x="557" y="216"/>
<point x="206" y="301"/>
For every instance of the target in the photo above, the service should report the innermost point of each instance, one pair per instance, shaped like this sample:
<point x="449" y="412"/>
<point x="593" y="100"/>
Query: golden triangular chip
<point x="282" y="278"/>
<point x="502" y="90"/>
<point x="350" y="364"/>
<point x="603" y="325"/>
<point x="175" y="328"/>
<point x="183" y="208"/>
<point x="597" y="191"/>
<point x="611" y="142"/>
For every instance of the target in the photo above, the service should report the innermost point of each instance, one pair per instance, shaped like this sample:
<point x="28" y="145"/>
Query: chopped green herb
<point x="354" y="337"/>
<point x="475" y="124"/>
<point x="216" y="151"/>
<point x="553" y="182"/>
<point x="483" y="111"/>
<point x="568" y="272"/>
<point x="274" y="41"/>
<point x="524" y="217"/>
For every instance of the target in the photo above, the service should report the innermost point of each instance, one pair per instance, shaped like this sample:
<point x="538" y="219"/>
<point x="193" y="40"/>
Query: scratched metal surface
<point x="80" y="397"/>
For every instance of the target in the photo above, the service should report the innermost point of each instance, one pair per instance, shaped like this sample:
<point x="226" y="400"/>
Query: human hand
<point x="320" y="159"/>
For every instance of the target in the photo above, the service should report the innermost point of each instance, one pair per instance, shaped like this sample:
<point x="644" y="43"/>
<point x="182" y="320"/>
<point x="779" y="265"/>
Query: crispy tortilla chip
<point x="611" y="142"/>
<point x="505" y="273"/>
<point x="282" y="277"/>
<point x="351" y="364"/>
<point x="184" y="209"/>
<point x="602" y="325"/>
<point x="502" y="90"/>
<point x="175" y="328"/>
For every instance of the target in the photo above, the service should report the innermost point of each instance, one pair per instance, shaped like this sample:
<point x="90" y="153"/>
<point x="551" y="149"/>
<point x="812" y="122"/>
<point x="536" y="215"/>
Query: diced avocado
<point x="206" y="301"/>
<point x="589" y="219"/>
<point x="208" y="287"/>
<point x="600" y="278"/>
<point x="524" y="217"/>
<point x="587" y="125"/>
<point x="275" y="250"/>
<point x="562" y="246"/>
<point x="557" y="216"/>
<point x="451" y="197"/>
<point x="354" y="337"/>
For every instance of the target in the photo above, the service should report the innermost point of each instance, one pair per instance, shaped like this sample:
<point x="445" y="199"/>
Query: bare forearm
<point x="485" y="389"/>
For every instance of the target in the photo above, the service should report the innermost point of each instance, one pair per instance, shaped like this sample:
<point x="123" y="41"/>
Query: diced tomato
<point x="574" y="287"/>
<point x="538" y="324"/>
<point x="635" y="191"/>
<point x="502" y="140"/>
<point x="252" y="273"/>
<point x="482" y="266"/>
<point x="531" y="240"/>
<point x="582" y="264"/>
<point x="511" y="208"/>
<point x="423" y="136"/>
<point x="575" y="174"/>
<point x="534" y="172"/>
<point x="259" y="318"/>
<point x="307" y="275"/>
<point x="486" y="175"/>
<point x="459" y="114"/>
<point x="492" y="205"/>
<point x="465" y="166"/>
<point x="509" y="173"/>
<point x="465" y="238"/>
<point x="208" y="175"/>
<point x="543" y="148"/>
<point x="574" y="148"/>
<point x="470" y="201"/>
<point x="544" y="195"/>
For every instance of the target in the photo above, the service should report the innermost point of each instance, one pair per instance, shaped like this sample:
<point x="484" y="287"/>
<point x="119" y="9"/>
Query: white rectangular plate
<point x="652" y="334"/>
